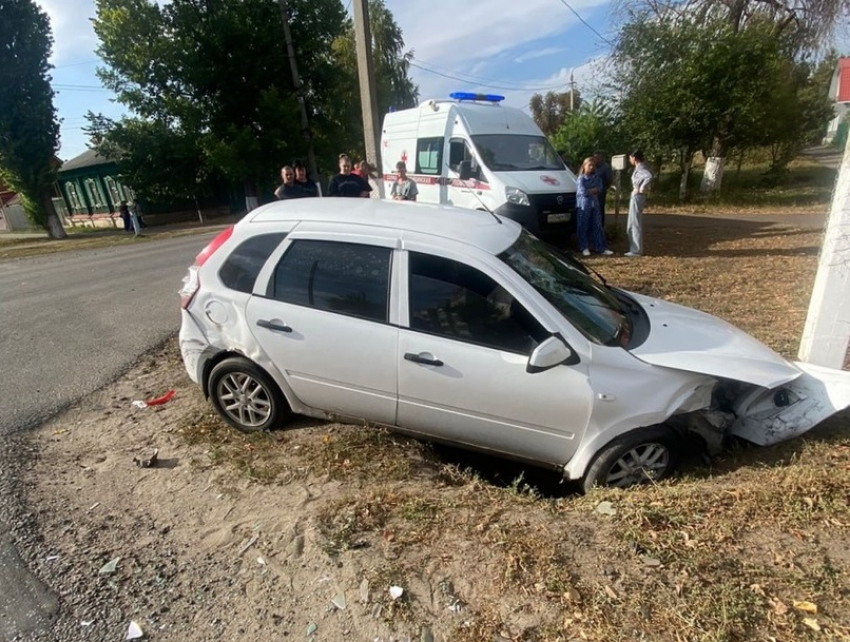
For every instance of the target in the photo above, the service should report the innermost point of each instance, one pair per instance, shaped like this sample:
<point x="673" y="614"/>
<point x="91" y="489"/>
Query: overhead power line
<point x="488" y="84"/>
<point x="585" y="23"/>
<point x="466" y="77"/>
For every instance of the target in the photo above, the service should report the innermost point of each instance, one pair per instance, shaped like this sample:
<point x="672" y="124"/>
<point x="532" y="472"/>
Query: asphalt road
<point x="71" y="323"/>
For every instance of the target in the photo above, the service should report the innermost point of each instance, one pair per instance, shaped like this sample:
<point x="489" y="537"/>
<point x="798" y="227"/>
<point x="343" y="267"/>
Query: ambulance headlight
<point x="516" y="196"/>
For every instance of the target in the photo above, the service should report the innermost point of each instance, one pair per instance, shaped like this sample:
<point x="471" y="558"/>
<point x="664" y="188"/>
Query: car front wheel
<point x="644" y="455"/>
<point x="246" y="397"/>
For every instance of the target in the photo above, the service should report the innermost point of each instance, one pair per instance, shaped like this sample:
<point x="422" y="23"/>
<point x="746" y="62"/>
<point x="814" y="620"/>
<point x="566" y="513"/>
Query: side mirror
<point x="465" y="170"/>
<point x="552" y="352"/>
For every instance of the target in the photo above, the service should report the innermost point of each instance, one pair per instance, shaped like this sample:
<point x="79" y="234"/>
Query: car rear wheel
<point x="644" y="455"/>
<point x="246" y="397"/>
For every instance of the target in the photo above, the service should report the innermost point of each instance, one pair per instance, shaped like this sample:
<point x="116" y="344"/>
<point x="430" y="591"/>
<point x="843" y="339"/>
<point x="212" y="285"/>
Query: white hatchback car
<point x="460" y="327"/>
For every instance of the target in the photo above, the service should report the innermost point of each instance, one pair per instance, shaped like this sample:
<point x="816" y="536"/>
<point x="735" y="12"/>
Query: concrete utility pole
<point x="296" y="81"/>
<point x="826" y="336"/>
<point x="572" y="92"/>
<point x="368" y="87"/>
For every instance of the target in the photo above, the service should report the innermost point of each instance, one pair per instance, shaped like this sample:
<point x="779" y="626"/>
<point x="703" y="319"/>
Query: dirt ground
<point x="206" y="553"/>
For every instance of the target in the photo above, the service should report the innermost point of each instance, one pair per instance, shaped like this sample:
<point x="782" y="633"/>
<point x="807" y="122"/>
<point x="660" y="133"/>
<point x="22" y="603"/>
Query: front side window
<point x="242" y="267"/>
<point x="344" y="278"/>
<point x="588" y="305"/>
<point x="453" y="300"/>
<point x="517" y="153"/>
<point x="429" y="155"/>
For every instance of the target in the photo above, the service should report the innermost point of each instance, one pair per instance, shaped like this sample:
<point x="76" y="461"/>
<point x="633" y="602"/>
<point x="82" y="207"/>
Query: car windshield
<point x="517" y="153"/>
<point x="587" y="304"/>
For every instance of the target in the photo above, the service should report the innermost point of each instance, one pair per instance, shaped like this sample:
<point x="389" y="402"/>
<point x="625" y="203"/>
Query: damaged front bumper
<point x="766" y="417"/>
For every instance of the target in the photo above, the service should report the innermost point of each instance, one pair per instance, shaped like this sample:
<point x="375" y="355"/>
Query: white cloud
<point x="73" y="36"/>
<point x="539" y="53"/>
<point x="451" y="32"/>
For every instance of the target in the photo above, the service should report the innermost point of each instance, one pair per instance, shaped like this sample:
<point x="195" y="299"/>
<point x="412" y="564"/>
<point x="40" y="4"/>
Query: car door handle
<point x="417" y="358"/>
<point x="278" y="327"/>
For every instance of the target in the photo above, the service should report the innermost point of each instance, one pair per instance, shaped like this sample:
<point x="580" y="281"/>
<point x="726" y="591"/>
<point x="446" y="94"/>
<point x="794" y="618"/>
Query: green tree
<point x="215" y="76"/>
<point x="591" y="128"/>
<point x="700" y="82"/>
<point x="798" y="28"/>
<point x="29" y="130"/>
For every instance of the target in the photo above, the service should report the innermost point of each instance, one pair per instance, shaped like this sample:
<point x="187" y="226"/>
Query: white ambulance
<point x="471" y="151"/>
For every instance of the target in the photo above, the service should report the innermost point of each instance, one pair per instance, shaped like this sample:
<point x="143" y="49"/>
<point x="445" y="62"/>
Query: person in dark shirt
<point x="347" y="184"/>
<point x="289" y="189"/>
<point x="302" y="180"/>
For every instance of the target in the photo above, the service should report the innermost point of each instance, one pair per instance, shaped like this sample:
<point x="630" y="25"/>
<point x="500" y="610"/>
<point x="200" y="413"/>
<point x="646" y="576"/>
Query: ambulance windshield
<point x="517" y="153"/>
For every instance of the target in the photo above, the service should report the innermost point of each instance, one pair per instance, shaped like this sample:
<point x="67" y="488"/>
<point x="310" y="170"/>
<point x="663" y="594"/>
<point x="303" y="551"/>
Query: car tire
<point x="643" y="455"/>
<point x="246" y="397"/>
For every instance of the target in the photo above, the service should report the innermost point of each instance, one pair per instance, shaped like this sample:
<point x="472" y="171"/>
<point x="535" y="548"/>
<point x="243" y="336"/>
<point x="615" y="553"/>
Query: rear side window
<point x="456" y="301"/>
<point x="345" y="278"/>
<point x="241" y="268"/>
<point x="429" y="155"/>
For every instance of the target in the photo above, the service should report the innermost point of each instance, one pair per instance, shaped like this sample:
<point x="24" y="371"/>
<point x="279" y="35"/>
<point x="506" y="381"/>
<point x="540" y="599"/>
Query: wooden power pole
<point x="299" y="92"/>
<point x="368" y="86"/>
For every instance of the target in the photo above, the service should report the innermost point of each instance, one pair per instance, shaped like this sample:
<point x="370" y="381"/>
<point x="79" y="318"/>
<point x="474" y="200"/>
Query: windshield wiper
<point x="587" y="268"/>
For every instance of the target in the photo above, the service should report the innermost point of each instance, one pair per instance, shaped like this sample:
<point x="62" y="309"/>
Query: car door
<point x="463" y="352"/>
<point x="324" y="322"/>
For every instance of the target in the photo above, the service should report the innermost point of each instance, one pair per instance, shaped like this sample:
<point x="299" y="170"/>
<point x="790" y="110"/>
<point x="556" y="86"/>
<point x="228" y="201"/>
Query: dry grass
<point x="754" y="546"/>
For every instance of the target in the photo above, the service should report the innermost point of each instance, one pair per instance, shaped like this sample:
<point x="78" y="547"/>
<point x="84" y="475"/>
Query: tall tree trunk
<point x="252" y="201"/>
<point x="53" y="224"/>
<point x="714" y="164"/>
<point x="685" y="166"/>
<point x="200" y="213"/>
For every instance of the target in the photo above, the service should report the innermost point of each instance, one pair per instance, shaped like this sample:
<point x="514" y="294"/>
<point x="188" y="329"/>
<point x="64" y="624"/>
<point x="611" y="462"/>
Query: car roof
<point x="474" y="227"/>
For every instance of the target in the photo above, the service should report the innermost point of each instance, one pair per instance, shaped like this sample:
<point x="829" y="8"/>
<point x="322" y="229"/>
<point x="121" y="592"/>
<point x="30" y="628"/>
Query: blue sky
<point x="513" y="48"/>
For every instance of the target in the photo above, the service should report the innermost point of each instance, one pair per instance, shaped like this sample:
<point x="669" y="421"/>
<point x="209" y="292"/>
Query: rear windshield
<point x="242" y="267"/>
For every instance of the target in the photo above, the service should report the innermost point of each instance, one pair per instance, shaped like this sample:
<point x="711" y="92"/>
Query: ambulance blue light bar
<point x="468" y="95"/>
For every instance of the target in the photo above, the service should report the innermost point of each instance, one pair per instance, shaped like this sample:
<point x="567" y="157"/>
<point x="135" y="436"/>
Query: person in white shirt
<point x="404" y="188"/>
<point x="640" y="183"/>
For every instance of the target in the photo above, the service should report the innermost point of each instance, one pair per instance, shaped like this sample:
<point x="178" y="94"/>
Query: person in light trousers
<point x="640" y="183"/>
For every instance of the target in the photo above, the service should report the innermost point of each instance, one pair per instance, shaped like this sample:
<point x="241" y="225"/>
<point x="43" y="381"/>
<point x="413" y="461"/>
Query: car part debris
<point x="147" y="462"/>
<point x="110" y="566"/>
<point x="134" y="631"/>
<point x="154" y="402"/>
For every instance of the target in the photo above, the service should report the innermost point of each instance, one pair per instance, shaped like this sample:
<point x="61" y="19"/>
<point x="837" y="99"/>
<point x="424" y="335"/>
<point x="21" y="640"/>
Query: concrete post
<point x="826" y="336"/>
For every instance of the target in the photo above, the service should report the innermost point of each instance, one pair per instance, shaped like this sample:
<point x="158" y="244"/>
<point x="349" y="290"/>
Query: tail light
<point x="192" y="281"/>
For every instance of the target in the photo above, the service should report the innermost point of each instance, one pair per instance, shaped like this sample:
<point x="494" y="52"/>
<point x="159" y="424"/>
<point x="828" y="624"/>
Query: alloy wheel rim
<point x="244" y="399"/>
<point x="646" y="462"/>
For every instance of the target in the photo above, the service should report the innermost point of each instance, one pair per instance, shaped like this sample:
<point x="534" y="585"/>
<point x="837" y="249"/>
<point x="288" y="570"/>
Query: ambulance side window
<point x="458" y="151"/>
<point x="429" y="155"/>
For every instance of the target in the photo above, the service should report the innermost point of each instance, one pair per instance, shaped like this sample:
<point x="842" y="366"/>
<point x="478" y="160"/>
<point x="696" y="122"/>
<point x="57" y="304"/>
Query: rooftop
<point x="88" y="158"/>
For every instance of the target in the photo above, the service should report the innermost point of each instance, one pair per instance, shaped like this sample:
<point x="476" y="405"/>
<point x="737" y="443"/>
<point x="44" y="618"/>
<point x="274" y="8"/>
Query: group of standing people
<point x="296" y="183"/>
<point x="594" y="181"/>
<point x="350" y="182"/>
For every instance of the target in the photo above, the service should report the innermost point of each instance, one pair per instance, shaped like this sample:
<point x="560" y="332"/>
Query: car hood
<point x="540" y="181"/>
<point x="686" y="339"/>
